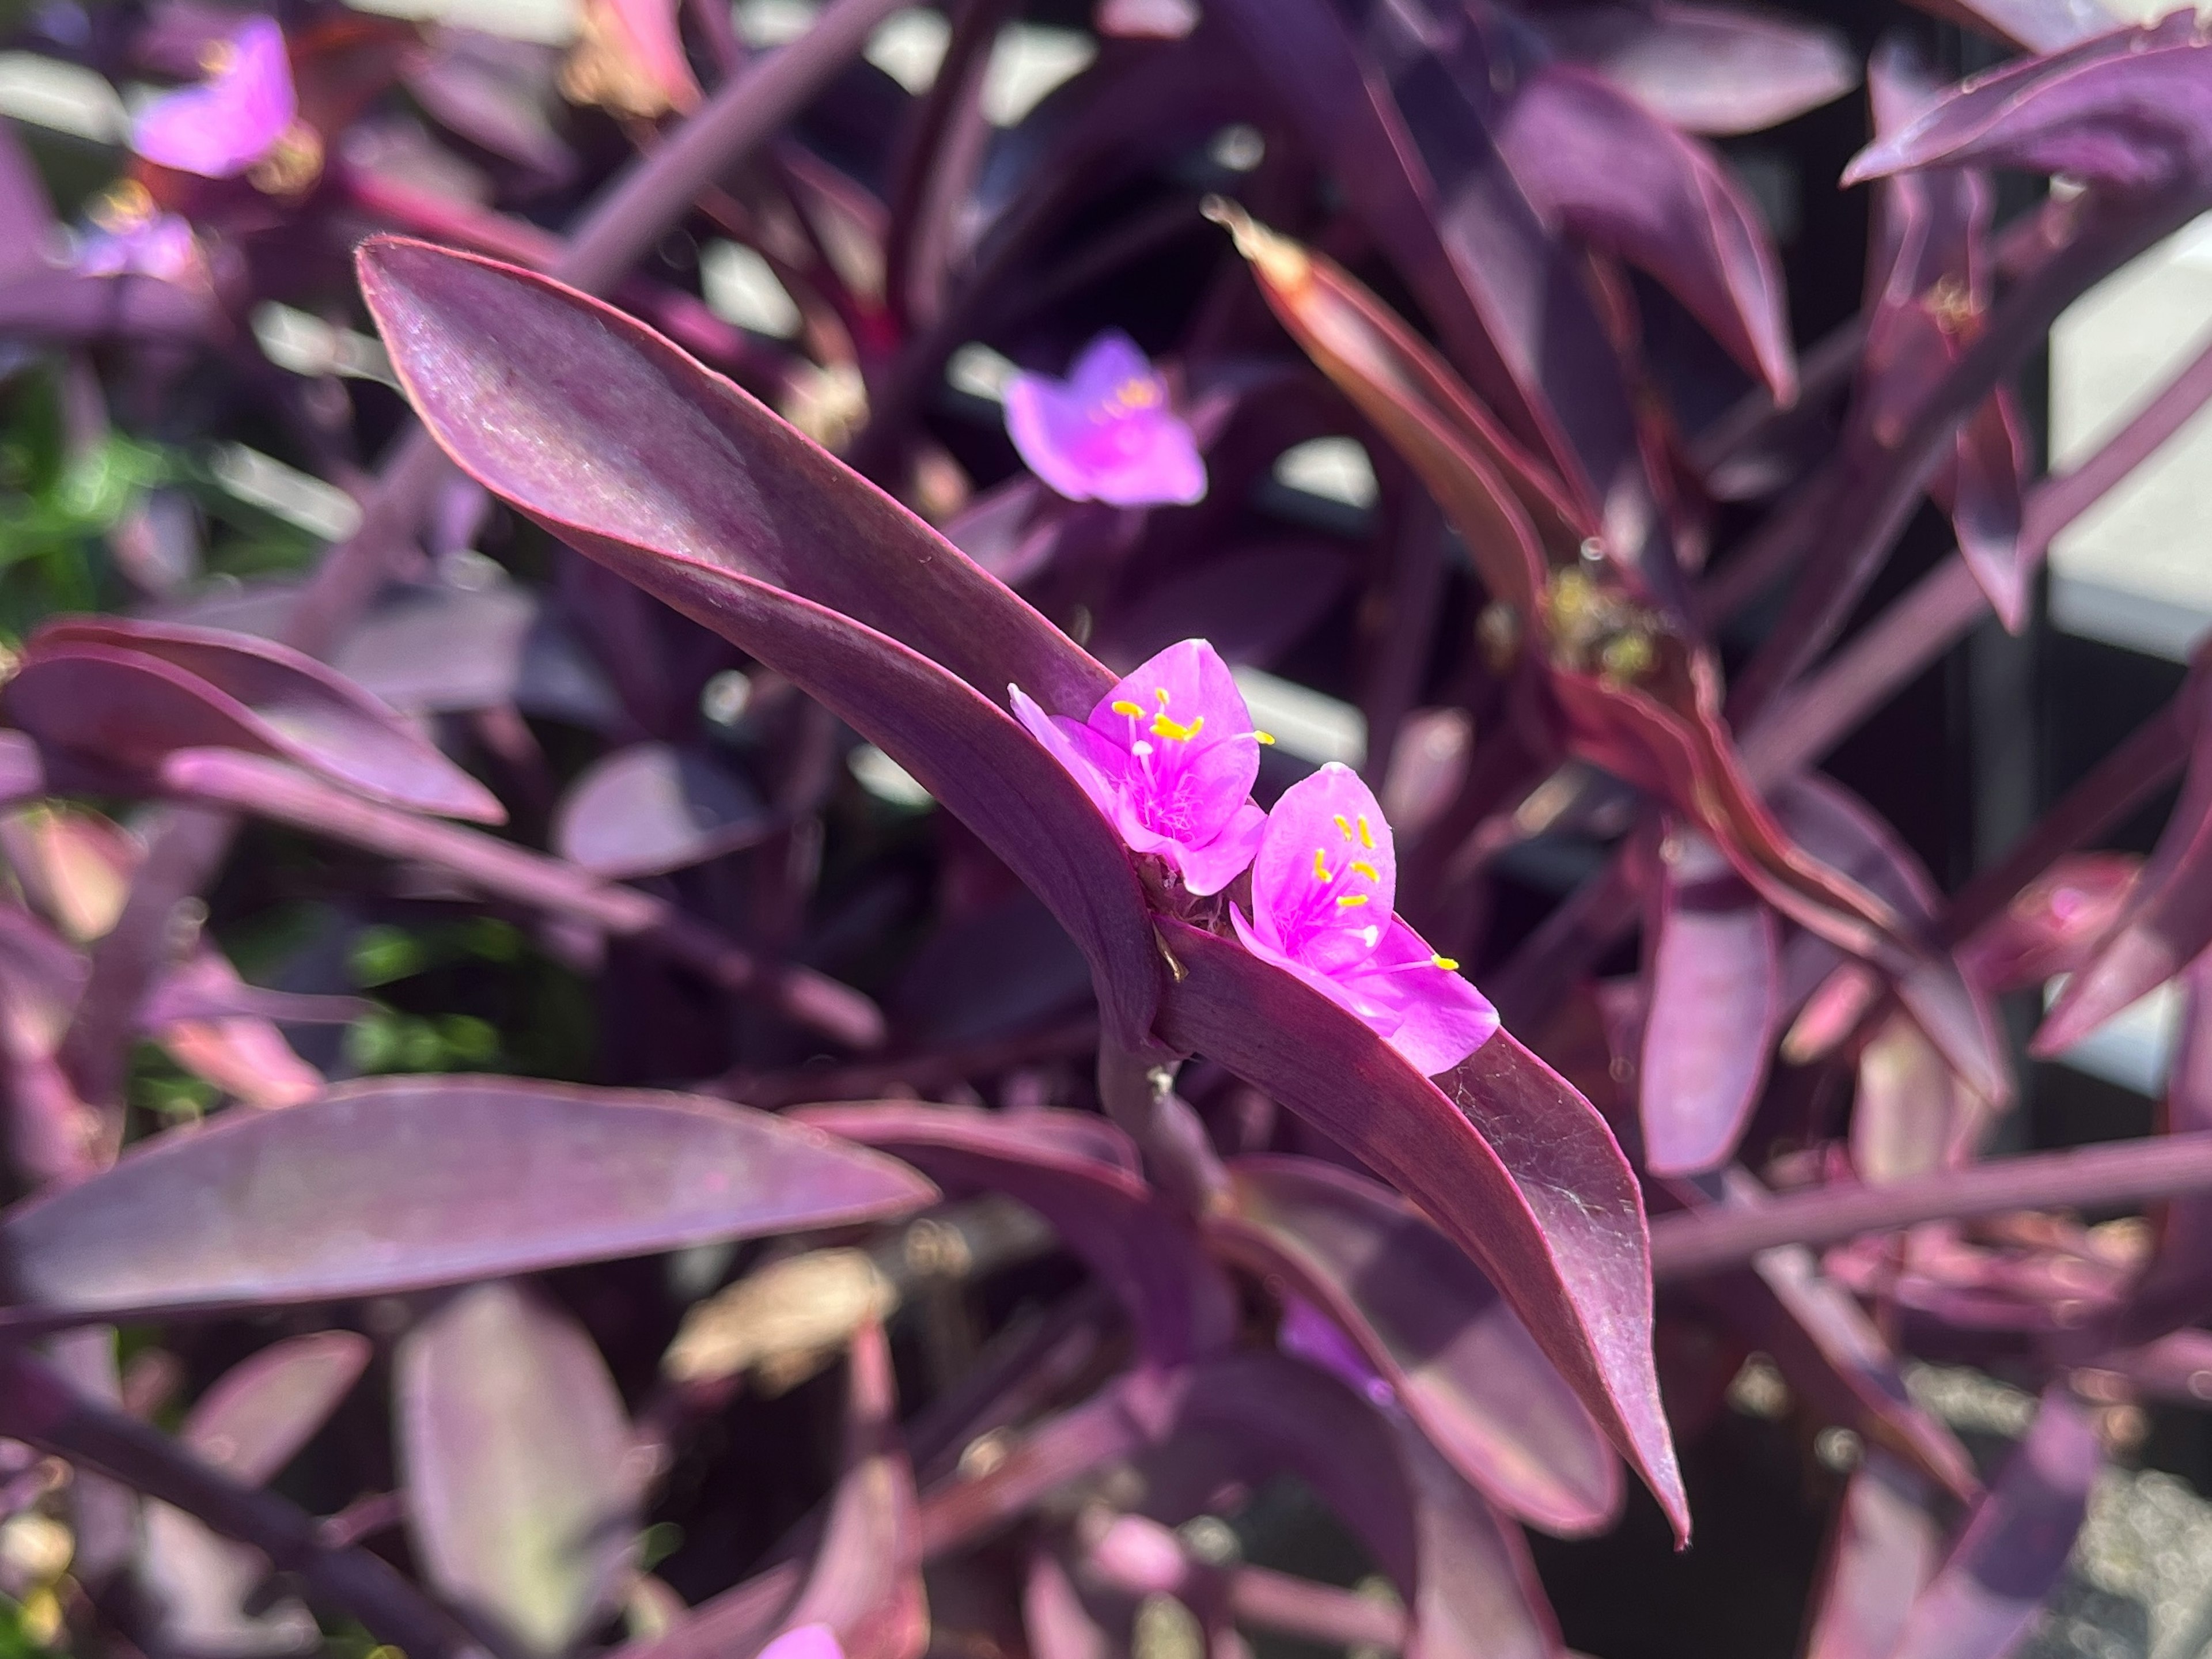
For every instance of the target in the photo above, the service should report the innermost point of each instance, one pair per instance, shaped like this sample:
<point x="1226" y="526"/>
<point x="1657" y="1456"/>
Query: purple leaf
<point x="1453" y="1353"/>
<point x="22" y="773"/>
<point x="652" y="808"/>
<point x="493" y="92"/>
<point x="1176" y="1297"/>
<point x="1838" y="829"/>
<point x="256" y="1417"/>
<point x="48" y="304"/>
<point x="1055" y="1619"/>
<point x="2175" y="1286"/>
<point x="1715" y="1009"/>
<point x="133" y="692"/>
<point x="2168" y="917"/>
<point x="27" y="213"/>
<point x="522" y="1502"/>
<point x="2051" y="924"/>
<point x="405" y="1183"/>
<point x="2130" y="111"/>
<point x="708" y="501"/>
<point x="1706" y="68"/>
<point x="1624" y="181"/>
<point x="1404" y="117"/>
<point x="249" y="1424"/>
<point x="1480" y="1597"/>
<point x="1516" y="1168"/>
<point x="1882" y="1548"/>
<point x="2008" y="1559"/>
<point x="436" y="649"/>
<point x="866" y="1580"/>
<point x="1906" y="1116"/>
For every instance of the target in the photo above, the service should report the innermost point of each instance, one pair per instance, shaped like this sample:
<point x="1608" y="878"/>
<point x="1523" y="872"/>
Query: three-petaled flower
<point x="1323" y="889"/>
<point x="243" y="118"/>
<point x="1170" y="756"/>
<point x="1108" y="432"/>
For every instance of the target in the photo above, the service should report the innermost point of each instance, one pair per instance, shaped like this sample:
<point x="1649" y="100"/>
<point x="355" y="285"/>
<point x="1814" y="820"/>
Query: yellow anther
<point x="1351" y="899"/>
<point x="1123" y="706"/>
<point x="1446" y="963"/>
<point x="1161" y="692"/>
<point x="123" y="204"/>
<point x="1367" y="869"/>
<point x="1136" y="394"/>
<point x="1266" y="738"/>
<point x="1320" y="868"/>
<point x="1164" y="728"/>
<point x="1366" y="836"/>
<point x="1344" y="826"/>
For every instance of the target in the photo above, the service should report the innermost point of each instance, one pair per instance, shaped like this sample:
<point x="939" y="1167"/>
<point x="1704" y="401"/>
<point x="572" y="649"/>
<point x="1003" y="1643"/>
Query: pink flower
<point x="131" y="237"/>
<point x="1169" y="755"/>
<point x="1322" y="887"/>
<point x="1106" y="433"/>
<point x="241" y="116"/>
<point x="805" y="1642"/>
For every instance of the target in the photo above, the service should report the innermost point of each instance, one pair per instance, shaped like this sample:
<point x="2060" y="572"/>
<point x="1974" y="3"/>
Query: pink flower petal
<point x="1106" y="433"/>
<point x="232" y="120"/>
<point x="1325" y="876"/>
<point x="806" y="1642"/>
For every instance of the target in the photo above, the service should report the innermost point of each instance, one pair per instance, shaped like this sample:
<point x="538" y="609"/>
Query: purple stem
<point x="1137" y="1090"/>
<point x="40" y="1408"/>
<point x="1698" y="1243"/>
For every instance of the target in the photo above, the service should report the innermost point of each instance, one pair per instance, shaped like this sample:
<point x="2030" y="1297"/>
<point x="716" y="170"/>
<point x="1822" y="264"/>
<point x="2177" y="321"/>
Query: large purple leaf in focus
<point x="513" y="1443"/>
<point x="1458" y="1359"/>
<point x="866" y="1580"/>
<point x="1882" y="1548"/>
<point x="616" y="441"/>
<point x="130" y="693"/>
<point x="652" y="808"/>
<point x="1715" y="972"/>
<point x="409" y="1182"/>
<point x="1624" y="181"/>
<point x="1175" y="1295"/>
<point x="1704" y="68"/>
<point x="2009" y="1557"/>
<point x="1516" y="1168"/>
<point x="2130" y="111"/>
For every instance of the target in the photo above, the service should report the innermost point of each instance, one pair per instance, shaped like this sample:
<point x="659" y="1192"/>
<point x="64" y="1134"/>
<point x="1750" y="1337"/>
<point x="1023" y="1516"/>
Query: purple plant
<point x="694" y="869"/>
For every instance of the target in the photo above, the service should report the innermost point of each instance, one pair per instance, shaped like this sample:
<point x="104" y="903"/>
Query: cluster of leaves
<point x="629" y="730"/>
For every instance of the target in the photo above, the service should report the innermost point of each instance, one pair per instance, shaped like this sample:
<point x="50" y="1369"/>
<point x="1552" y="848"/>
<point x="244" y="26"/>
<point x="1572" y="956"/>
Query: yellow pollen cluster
<point x="1164" y="728"/>
<point x="1135" y="394"/>
<point x="1446" y="963"/>
<point x="1123" y="706"/>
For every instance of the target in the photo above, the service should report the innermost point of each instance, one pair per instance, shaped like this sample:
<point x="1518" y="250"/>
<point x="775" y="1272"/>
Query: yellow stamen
<point x="1161" y="692"/>
<point x="1136" y="394"/>
<point x="1445" y="963"/>
<point x="1366" y="836"/>
<point x="1351" y="899"/>
<point x="1266" y="737"/>
<point x="1123" y="706"/>
<point x="1164" y="728"/>
<point x="1320" y="868"/>
<point x="1343" y="826"/>
<point x="1367" y="869"/>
